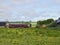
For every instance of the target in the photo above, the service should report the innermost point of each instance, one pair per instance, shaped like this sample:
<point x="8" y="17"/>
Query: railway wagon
<point x="2" y="24"/>
<point x="19" y="25"/>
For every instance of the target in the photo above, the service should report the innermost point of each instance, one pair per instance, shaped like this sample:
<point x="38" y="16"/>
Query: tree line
<point x="44" y="22"/>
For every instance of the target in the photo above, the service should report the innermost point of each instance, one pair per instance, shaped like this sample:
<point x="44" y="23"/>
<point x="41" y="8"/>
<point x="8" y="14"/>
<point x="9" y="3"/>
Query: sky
<point x="29" y="10"/>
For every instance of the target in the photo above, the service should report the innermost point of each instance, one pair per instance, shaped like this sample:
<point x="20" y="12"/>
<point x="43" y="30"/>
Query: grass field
<point x="29" y="36"/>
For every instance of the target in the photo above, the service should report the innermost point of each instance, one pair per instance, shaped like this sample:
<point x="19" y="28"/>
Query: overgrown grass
<point x="29" y="36"/>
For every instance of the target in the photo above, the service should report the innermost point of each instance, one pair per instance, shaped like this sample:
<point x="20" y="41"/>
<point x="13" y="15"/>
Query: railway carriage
<point x="19" y="25"/>
<point x="2" y="24"/>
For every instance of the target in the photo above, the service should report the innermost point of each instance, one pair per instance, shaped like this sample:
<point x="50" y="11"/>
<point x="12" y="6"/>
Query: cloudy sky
<point x="26" y="10"/>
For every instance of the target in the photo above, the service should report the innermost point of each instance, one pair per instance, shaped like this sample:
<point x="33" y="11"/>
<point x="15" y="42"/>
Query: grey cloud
<point x="24" y="10"/>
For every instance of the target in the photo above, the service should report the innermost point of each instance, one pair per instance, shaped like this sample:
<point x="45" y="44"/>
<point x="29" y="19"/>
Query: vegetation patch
<point x="29" y="36"/>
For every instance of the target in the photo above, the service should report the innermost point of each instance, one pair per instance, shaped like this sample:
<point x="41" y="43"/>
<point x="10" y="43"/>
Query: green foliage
<point x="46" y="22"/>
<point x="29" y="36"/>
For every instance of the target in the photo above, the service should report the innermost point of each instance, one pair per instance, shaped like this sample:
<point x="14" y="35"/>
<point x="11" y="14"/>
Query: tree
<point x="46" y="22"/>
<point x="49" y="21"/>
